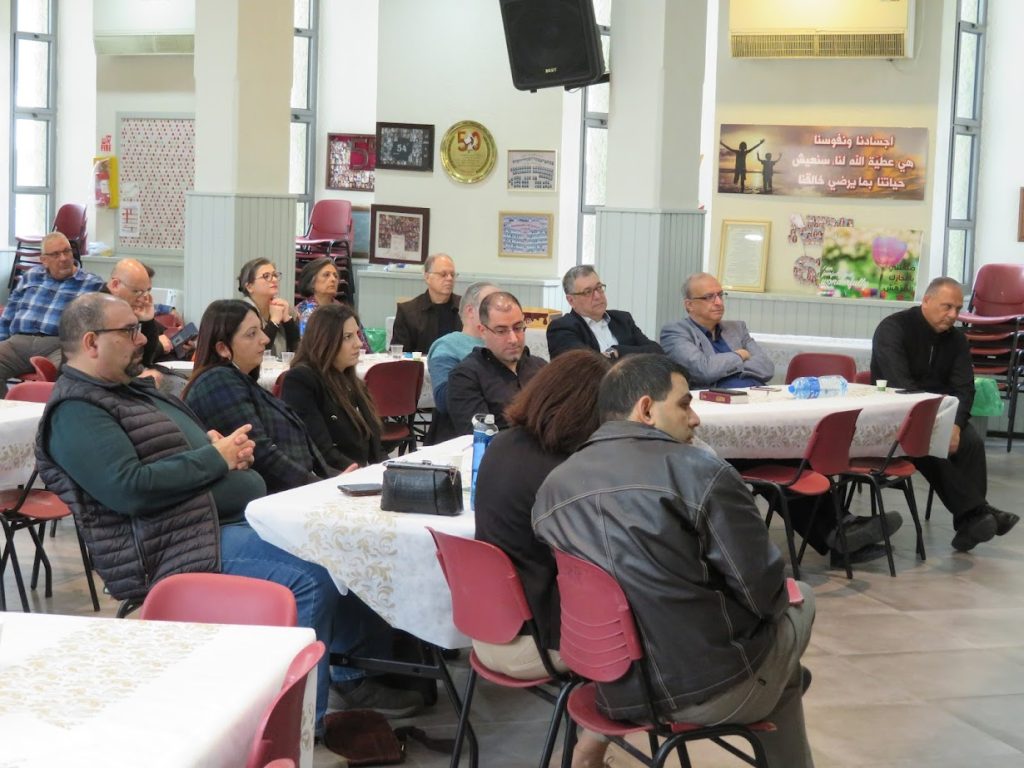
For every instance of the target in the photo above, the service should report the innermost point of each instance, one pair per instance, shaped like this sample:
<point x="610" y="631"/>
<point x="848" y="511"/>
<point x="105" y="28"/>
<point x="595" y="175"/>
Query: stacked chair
<point x="71" y="221"/>
<point x="330" y="233"/>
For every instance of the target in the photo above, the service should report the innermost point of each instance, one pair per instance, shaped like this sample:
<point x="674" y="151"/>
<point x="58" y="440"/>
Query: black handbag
<point x="429" y="489"/>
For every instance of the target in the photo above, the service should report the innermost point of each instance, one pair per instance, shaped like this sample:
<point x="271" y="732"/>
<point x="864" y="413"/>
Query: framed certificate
<point x="743" y="263"/>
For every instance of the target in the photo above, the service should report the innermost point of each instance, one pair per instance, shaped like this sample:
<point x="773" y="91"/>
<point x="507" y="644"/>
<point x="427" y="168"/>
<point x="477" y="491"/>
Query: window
<point x="33" y="116"/>
<point x="594" y="146"/>
<point x="302" y="153"/>
<point x="961" y="201"/>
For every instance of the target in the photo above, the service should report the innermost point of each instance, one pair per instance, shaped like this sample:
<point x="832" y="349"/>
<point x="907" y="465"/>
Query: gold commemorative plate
<point x="468" y="152"/>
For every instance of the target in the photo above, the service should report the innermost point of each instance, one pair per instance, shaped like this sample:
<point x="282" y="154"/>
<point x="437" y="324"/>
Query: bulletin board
<point x="157" y="165"/>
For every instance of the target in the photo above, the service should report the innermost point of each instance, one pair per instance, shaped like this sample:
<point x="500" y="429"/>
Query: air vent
<point x="819" y="45"/>
<point x="144" y="45"/>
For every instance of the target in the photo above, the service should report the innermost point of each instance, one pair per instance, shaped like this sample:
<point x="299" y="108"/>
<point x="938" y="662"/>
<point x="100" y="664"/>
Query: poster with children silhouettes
<point x="823" y="161"/>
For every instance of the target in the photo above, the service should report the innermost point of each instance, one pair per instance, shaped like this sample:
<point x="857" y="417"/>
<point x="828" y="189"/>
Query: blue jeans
<point x="343" y="623"/>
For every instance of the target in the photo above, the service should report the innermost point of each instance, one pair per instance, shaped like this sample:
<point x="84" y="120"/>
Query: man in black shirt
<point x="920" y="349"/>
<point x="421" y="321"/>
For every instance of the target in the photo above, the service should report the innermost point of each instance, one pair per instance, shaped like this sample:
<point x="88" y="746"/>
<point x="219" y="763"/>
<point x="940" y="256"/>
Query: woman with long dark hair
<point x="323" y="389"/>
<point x="260" y="283"/>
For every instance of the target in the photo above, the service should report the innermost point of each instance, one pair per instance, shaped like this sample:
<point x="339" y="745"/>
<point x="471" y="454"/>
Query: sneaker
<point x="862" y="531"/>
<point x="872" y="551"/>
<point x="369" y="694"/>
<point x="978" y="529"/>
<point x="1004" y="520"/>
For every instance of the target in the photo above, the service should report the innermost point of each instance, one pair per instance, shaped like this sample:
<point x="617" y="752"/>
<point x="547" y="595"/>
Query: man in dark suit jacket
<point x="434" y="313"/>
<point x="590" y="324"/>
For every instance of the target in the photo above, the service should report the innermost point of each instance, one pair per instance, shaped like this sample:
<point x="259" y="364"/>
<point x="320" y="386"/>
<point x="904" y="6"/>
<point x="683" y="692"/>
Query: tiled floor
<point x="926" y="669"/>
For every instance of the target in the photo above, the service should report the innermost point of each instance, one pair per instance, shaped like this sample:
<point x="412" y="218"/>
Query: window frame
<point x="588" y="119"/>
<point x="307" y="116"/>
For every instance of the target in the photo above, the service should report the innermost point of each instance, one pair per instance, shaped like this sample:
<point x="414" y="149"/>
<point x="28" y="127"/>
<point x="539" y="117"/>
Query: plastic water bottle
<point x="484" y="429"/>
<point x="808" y="387"/>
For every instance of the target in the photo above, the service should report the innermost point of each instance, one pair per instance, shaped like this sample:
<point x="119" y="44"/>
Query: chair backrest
<point x="828" y="450"/>
<point x="218" y="598"/>
<point x="45" y="370"/>
<point x="488" y="602"/>
<point x="915" y="433"/>
<point x="279" y="383"/>
<point x="599" y="639"/>
<point x="863" y="377"/>
<point x="330" y="220"/>
<point x="395" y="386"/>
<point x="31" y="391"/>
<point x="71" y="220"/>
<point x="279" y="735"/>
<point x="999" y="290"/>
<point x="821" y="364"/>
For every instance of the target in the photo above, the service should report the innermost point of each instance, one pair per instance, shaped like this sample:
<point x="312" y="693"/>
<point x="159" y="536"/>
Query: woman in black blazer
<point x="322" y="387"/>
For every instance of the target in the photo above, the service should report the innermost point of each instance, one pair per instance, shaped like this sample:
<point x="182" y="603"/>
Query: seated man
<point x="681" y="533"/>
<point x="131" y="281"/>
<point x="491" y="375"/>
<point x="28" y="326"/>
<point x="421" y="321"/>
<point x="590" y="324"/>
<point x="919" y="348"/>
<point x="452" y="348"/>
<point x="148" y="485"/>
<point x="715" y="353"/>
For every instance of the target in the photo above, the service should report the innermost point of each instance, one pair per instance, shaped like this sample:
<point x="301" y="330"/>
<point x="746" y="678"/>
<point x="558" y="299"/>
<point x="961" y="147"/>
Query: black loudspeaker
<point x="552" y="42"/>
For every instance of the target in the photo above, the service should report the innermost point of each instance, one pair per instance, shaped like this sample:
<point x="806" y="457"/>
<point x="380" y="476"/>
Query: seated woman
<point x="318" y="282"/>
<point x="323" y="389"/>
<point x="225" y="394"/>
<point x="552" y="417"/>
<point x="260" y="282"/>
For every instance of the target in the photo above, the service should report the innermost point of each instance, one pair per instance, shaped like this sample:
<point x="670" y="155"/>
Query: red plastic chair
<point x="488" y="604"/>
<point x="219" y="598"/>
<point x="863" y="377"/>
<point x="30" y="391"/>
<point x="279" y="735"/>
<point x="395" y="387"/>
<point x="71" y="221"/>
<point x="913" y="439"/>
<point x="994" y="325"/>
<point x="821" y="364"/>
<point x="44" y="370"/>
<point x="601" y="642"/>
<point x="278" y="384"/>
<point x="330" y="228"/>
<point x="826" y="457"/>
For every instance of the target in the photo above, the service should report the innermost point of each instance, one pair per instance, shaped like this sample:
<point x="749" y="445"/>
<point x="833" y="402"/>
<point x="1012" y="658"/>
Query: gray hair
<point x="688" y="282"/>
<point x="581" y="270"/>
<point x="428" y="265"/>
<point x="86" y="313"/>
<point x="51" y="236"/>
<point x="501" y="300"/>
<point x="942" y="282"/>
<point x="471" y="296"/>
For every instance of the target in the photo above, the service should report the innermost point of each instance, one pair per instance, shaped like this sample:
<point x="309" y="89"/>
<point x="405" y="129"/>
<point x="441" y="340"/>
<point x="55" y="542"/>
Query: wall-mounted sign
<point x="870" y="263"/>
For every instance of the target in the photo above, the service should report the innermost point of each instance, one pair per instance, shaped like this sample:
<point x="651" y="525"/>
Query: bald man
<point x="130" y="280"/>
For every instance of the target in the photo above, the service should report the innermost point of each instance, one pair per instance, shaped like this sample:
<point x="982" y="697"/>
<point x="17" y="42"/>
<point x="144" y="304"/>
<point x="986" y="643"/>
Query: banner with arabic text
<point x="823" y="161"/>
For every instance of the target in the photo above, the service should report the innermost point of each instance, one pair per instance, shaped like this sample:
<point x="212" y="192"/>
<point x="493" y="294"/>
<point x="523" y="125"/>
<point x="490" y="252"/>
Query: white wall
<point x="443" y="61"/>
<point x="1002" y="161"/>
<point x="5" y="137"/>
<point x="903" y="92"/>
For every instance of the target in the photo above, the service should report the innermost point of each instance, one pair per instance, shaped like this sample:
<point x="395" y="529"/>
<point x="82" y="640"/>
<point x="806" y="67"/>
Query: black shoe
<point x="978" y="529"/>
<point x="864" y="554"/>
<point x="1004" y="520"/>
<point x="805" y="678"/>
<point x="369" y="694"/>
<point x="862" y="531"/>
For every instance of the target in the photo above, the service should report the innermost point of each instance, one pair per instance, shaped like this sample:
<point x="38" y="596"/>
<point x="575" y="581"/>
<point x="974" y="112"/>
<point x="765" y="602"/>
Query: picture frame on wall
<point x="525" y="235"/>
<point x="360" y="231"/>
<point x="351" y="160"/>
<point x="743" y="259"/>
<point x="532" y="170"/>
<point x="405" y="147"/>
<point x="399" y="234"/>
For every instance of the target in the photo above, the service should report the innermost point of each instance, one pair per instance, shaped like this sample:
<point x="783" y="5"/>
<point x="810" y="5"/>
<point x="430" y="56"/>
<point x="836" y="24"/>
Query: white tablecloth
<point x="116" y="692"/>
<point x="386" y="558"/>
<point x="782" y="348"/>
<point x="18" y="422"/>
<point x="779" y="426"/>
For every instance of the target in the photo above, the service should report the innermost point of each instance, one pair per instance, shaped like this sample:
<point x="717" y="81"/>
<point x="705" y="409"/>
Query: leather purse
<point x="422" y="487"/>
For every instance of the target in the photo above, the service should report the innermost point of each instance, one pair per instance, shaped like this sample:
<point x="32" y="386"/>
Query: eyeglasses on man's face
<point x="588" y="293"/>
<point x="710" y="297"/>
<point x="131" y="331"/>
<point x="269" y="276"/>
<point x="138" y="292"/>
<point x="447" y="274"/>
<point x="64" y="253"/>
<point x="503" y="330"/>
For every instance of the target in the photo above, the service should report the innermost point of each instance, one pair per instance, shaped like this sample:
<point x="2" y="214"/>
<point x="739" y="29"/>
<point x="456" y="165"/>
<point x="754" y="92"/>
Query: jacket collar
<point x="628" y="430"/>
<point x="146" y="385"/>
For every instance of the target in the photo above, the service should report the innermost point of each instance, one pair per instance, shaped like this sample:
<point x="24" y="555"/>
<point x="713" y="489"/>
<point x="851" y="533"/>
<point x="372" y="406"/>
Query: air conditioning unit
<point x="144" y="27"/>
<point x="817" y="29"/>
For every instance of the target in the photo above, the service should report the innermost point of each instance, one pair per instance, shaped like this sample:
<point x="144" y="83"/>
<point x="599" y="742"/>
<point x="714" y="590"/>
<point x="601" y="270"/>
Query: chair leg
<point x="928" y="508"/>
<point x="556" y="721"/>
<point x="908" y="494"/>
<point x="1011" y="395"/>
<point x="40" y="557"/>
<point x="87" y="565"/>
<point x="877" y="503"/>
<point x="790" y="536"/>
<point x="569" y="745"/>
<point x="840" y="533"/>
<point x="10" y="554"/>
<point x="460" y="733"/>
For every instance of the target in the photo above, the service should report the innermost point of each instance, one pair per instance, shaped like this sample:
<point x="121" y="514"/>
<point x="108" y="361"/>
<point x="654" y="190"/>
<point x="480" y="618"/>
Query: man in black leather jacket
<point x="680" y="532"/>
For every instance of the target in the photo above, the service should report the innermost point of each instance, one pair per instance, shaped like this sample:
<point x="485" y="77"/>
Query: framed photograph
<point x="525" y="235"/>
<point x="743" y="264"/>
<point x="532" y="170"/>
<point x="398" y="234"/>
<point x="351" y="158"/>
<point x="405" y="147"/>
<point x="360" y="232"/>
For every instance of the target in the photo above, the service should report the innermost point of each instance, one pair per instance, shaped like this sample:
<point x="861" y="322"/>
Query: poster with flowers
<point x="870" y="263"/>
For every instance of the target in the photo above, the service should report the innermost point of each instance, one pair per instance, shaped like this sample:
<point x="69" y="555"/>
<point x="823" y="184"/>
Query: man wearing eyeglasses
<point x="423" y="320"/>
<point x="714" y="352"/>
<point x="29" y="324"/>
<point x="590" y="324"/>
<point x="488" y="379"/>
<point x="131" y="281"/>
